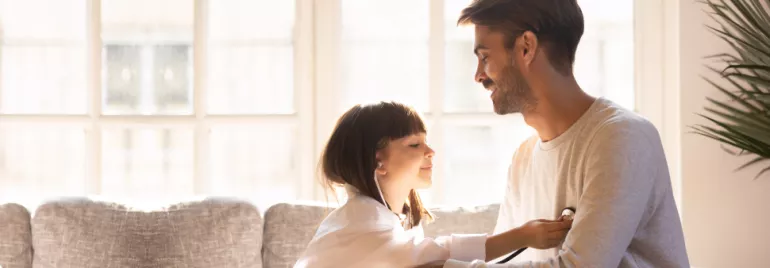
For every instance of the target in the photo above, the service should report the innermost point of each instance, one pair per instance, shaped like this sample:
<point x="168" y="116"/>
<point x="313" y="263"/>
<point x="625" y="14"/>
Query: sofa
<point x="215" y="232"/>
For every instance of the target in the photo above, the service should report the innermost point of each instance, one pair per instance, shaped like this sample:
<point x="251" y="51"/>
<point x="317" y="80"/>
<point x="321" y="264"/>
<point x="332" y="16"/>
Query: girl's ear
<point x="380" y="169"/>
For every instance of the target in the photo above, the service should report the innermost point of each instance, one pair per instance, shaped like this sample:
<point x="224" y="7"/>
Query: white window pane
<point x="151" y="165"/>
<point x="251" y="67"/>
<point x="385" y="20"/>
<point x="385" y="72"/>
<point x="172" y="79"/>
<point x="41" y="162"/>
<point x="619" y="75"/>
<point x="607" y="11"/>
<point x="147" y="79"/>
<point x="385" y="56"/>
<point x="42" y="68"/>
<point x="56" y="20"/>
<point x="140" y="21"/>
<point x="452" y="10"/>
<point x="258" y="163"/>
<point x="250" y="19"/>
<point x="147" y="56"/>
<point x="588" y="64"/>
<point x="476" y="160"/>
<point x="605" y="57"/>
<point x="251" y="80"/>
<point x="462" y="93"/>
<point x="43" y="80"/>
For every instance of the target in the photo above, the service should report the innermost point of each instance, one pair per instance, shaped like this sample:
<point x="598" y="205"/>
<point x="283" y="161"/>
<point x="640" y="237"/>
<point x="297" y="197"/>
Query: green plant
<point x="743" y="121"/>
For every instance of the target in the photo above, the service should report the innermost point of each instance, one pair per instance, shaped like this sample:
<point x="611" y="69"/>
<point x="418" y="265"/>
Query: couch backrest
<point x="15" y="237"/>
<point x="462" y="220"/>
<point x="213" y="233"/>
<point x="288" y="230"/>
<point x="87" y="234"/>
<point x="290" y="227"/>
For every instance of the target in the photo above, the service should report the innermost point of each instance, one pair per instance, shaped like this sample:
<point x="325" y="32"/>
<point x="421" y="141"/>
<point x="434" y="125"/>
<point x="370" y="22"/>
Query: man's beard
<point x="512" y="93"/>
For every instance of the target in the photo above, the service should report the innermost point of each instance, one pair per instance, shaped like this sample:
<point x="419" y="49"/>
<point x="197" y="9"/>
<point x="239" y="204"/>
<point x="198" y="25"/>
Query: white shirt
<point x="610" y="166"/>
<point x="365" y="233"/>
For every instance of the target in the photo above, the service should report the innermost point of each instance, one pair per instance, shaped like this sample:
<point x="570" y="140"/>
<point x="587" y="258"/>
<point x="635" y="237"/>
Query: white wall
<point x="726" y="214"/>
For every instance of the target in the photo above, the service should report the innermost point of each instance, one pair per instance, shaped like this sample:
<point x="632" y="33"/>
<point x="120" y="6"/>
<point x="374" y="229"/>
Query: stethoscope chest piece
<point x="568" y="212"/>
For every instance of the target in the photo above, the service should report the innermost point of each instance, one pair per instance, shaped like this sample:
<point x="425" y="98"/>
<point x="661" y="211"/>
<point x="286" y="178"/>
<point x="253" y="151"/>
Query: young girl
<point x="379" y="154"/>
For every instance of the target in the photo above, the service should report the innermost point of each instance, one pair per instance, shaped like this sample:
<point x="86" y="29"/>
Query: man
<point x="588" y="153"/>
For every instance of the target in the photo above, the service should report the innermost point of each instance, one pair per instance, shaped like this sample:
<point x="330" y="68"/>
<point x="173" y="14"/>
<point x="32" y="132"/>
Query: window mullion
<point x="94" y="131"/>
<point x="304" y="98"/>
<point x="436" y="95"/>
<point x="201" y="145"/>
<point x="328" y="87"/>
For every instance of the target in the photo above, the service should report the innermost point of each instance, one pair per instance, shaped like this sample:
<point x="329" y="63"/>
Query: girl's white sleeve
<point x="392" y="248"/>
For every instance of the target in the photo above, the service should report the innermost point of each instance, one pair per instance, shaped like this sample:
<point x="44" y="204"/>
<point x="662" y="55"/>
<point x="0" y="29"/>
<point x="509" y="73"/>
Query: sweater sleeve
<point x="620" y="171"/>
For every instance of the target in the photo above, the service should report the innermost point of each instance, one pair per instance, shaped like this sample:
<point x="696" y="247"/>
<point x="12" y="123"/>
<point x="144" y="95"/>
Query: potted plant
<point x="742" y="120"/>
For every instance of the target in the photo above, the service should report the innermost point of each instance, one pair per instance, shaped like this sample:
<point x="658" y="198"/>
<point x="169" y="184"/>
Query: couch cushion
<point x="462" y="220"/>
<point x="15" y="237"/>
<point x="86" y="234"/>
<point x="288" y="230"/>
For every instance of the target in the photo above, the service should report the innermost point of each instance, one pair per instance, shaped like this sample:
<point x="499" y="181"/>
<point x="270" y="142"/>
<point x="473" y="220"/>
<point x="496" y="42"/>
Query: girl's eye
<point x="414" y="145"/>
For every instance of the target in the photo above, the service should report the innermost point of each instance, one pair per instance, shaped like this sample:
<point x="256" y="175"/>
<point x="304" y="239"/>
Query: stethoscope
<point x="568" y="211"/>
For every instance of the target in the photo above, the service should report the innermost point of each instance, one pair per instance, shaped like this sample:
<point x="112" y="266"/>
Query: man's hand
<point x="434" y="264"/>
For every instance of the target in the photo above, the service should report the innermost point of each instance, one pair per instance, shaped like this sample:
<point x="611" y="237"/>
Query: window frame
<point x="317" y="42"/>
<point x="93" y="122"/>
<point x="656" y="77"/>
<point x="328" y="93"/>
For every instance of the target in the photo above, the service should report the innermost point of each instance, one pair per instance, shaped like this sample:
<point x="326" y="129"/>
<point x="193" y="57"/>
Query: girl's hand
<point x="544" y="234"/>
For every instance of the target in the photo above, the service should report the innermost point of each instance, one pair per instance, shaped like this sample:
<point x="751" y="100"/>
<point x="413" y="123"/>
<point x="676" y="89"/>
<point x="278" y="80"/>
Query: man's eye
<point x="414" y="145"/>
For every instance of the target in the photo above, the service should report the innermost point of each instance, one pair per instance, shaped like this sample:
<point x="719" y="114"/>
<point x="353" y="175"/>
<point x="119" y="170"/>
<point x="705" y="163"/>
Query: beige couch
<point x="216" y="232"/>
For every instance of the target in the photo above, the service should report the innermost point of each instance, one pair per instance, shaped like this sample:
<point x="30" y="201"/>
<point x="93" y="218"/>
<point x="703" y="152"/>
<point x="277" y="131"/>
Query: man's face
<point x="500" y="72"/>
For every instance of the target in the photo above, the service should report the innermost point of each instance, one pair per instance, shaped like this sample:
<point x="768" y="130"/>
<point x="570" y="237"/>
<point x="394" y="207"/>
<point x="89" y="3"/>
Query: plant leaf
<point x="750" y="79"/>
<point x="762" y="172"/>
<point x="752" y="162"/>
<point x="729" y="134"/>
<point x="751" y="17"/>
<point x="759" y="119"/>
<point x="745" y="29"/>
<point x="747" y="66"/>
<point x="749" y="143"/>
<point x="745" y="103"/>
<point x="742" y="120"/>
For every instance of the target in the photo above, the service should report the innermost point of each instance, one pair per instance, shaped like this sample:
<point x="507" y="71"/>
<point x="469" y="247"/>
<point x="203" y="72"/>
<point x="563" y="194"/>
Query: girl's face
<point x="407" y="161"/>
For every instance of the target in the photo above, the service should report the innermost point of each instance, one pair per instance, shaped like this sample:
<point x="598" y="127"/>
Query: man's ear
<point x="529" y="47"/>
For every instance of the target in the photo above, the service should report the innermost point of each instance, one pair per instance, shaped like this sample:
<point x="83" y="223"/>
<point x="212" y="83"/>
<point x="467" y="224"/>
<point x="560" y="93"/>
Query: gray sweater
<point x="610" y="166"/>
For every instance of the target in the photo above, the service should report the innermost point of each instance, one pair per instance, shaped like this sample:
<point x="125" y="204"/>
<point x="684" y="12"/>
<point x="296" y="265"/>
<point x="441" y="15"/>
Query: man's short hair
<point x="558" y="24"/>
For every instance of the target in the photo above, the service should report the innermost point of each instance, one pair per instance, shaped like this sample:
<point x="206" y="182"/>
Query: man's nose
<point x="480" y="75"/>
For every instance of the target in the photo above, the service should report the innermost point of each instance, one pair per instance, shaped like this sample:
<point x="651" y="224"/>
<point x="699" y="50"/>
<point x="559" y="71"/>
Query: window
<point x="166" y="100"/>
<point x="421" y="58"/>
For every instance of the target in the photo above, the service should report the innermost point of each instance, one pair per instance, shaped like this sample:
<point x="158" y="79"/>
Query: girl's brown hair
<point x="350" y="154"/>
